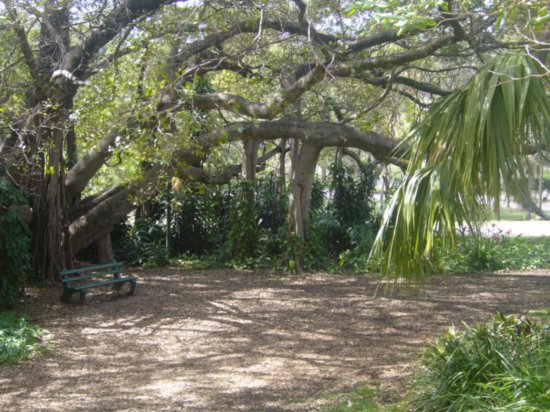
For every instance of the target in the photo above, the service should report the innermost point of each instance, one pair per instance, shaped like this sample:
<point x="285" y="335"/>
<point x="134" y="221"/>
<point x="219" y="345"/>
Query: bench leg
<point x="66" y="296"/>
<point x="82" y="297"/>
<point x="132" y="287"/>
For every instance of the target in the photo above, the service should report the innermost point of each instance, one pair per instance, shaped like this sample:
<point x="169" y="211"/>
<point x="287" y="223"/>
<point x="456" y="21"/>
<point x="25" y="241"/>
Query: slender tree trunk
<point x="497" y="208"/>
<point x="282" y="168"/>
<point x="541" y="178"/>
<point x="299" y="201"/>
<point x="250" y="159"/>
<point x="530" y="184"/>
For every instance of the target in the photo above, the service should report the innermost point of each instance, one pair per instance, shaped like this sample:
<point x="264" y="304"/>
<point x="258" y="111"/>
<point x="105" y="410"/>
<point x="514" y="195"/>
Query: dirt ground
<point x="223" y="340"/>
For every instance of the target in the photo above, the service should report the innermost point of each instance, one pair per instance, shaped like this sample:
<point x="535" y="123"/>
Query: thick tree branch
<point x="321" y="134"/>
<point x="85" y="169"/>
<point x="350" y="69"/>
<point x="227" y="174"/>
<point x="406" y="81"/>
<point x="78" y="58"/>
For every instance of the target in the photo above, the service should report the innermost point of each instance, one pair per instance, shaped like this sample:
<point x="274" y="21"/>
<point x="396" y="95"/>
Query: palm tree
<point x="469" y="148"/>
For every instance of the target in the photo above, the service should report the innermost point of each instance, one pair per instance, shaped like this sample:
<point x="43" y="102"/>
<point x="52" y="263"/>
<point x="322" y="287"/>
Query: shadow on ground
<point x="219" y="340"/>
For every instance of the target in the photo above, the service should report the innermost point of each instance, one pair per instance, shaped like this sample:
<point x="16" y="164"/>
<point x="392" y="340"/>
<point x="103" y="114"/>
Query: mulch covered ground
<point x="224" y="340"/>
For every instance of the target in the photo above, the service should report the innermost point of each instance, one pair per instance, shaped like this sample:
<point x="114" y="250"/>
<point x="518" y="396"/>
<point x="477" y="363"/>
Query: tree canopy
<point x="104" y="102"/>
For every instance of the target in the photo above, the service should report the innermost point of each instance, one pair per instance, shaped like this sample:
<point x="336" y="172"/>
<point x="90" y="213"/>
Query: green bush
<point x="498" y="251"/>
<point x="15" y="257"/>
<point x="200" y="220"/>
<point x="244" y="234"/>
<point x="19" y="339"/>
<point x="343" y="222"/>
<point x="503" y="364"/>
<point x="141" y="244"/>
<point x="524" y="253"/>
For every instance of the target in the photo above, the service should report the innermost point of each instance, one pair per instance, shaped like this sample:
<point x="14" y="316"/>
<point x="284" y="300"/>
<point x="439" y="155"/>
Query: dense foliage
<point x="344" y="221"/>
<point x="461" y="154"/>
<point x="104" y="103"/>
<point x="14" y="243"/>
<point x="246" y="224"/>
<point x="503" y="364"/>
<point x="496" y="252"/>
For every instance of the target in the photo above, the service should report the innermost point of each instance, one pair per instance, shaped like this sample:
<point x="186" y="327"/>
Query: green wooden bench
<point x="87" y="277"/>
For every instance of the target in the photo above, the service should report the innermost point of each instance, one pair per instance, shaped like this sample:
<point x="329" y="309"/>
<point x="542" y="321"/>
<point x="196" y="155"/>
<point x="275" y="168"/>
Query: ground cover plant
<point x="502" y="364"/>
<point x="19" y="338"/>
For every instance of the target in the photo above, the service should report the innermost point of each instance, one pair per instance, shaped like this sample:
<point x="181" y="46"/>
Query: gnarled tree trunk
<point x="299" y="200"/>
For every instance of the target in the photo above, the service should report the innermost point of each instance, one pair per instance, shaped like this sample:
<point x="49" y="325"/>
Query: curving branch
<point x="406" y="81"/>
<point x="387" y="61"/>
<point x="228" y="173"/>
<point x="24" y="44"/>
<point x="319" y="134"/>
<point x="77" y="59"/>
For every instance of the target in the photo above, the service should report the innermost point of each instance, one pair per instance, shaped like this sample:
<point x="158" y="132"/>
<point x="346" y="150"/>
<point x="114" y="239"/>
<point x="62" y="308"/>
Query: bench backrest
<point x="84" y="272"/>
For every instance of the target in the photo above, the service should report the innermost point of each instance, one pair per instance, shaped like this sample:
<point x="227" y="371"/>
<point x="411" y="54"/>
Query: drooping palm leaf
<point x="469" y="148"/>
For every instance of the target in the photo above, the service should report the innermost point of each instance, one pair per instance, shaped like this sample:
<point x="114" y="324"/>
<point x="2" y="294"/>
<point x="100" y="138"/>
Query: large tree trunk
<point x="299" y="200"/>
<point x="105" y="249"/>
<point x="48" y="220"/>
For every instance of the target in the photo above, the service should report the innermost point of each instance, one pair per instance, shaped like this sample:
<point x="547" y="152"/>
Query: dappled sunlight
<point x="227" y="340"/>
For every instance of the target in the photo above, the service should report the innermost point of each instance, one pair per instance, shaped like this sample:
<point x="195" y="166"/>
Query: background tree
<point x="103" y="103"/>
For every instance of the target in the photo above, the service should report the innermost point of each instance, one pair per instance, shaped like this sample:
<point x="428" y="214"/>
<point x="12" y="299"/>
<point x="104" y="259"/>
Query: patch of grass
<point x="362" y="400"/>
<point x="510" y="214"/>
<point x="19" y="339"/>
<point x="503" y="364"/>
<point x="542" y="315"/>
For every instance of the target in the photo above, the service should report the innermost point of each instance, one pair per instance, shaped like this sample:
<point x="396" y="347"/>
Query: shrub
<point x="15" y="254"/>
<point x="141" y="244"/>
<point x="498" y="251"/>
<point x="200" y="220"/>
<point x="244" y="234"/>
<point x="503" y="364"/>
<point x="19" y="339"/>
<point x="343" y="224"/>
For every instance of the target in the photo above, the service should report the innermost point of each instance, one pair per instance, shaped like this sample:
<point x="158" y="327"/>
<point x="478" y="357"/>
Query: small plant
<point x="19" y="339"/>
<point x="503" y="364"/>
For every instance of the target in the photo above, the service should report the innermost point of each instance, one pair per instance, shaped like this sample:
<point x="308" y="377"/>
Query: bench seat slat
<point x="89" y="268"/>
<point x="65" y="278"/>
<point x="106" y="282"/>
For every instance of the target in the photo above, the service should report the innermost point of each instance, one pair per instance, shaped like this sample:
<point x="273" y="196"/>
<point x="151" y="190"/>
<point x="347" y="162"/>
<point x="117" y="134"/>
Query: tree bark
<point x="299" y="201"/>
<point x="250" y="159"/>
<point x="47" y="228"/>
<point x="105" y="249"/>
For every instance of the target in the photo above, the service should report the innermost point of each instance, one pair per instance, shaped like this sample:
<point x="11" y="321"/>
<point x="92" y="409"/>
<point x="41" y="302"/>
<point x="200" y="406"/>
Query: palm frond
<point x="469" y="148"/>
